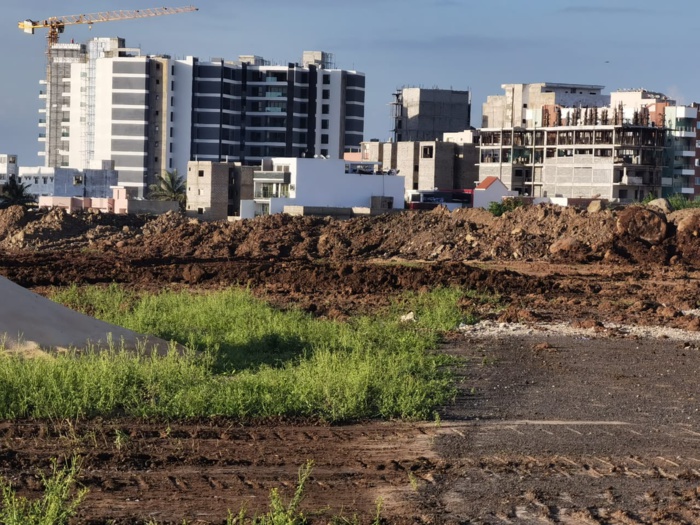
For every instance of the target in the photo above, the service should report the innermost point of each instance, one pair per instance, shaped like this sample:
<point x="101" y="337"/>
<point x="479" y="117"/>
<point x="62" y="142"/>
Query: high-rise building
<point x="249" y="109"/>
<point x="54" y="122"/>
<point x="425" y="114"/>
<point x="150" y="113"/>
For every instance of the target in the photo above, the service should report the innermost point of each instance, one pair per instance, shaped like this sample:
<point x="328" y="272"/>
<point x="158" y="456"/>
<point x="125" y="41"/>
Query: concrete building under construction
<point x="565" y="140"/>
<point x="425" y="114"/>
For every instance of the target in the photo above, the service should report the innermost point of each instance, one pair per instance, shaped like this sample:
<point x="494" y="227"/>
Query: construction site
<point x="576" y="390"/>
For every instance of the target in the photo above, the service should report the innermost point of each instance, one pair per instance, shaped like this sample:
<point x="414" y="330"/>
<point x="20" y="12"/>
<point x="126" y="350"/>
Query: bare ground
<point x="600" y="427"/>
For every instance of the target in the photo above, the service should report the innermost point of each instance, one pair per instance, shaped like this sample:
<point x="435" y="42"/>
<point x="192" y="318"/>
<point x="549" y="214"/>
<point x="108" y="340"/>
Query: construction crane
<point x="57" y="24"/>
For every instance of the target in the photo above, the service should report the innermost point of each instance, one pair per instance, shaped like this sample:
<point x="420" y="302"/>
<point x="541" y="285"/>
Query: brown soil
<point x="546" y="429"/>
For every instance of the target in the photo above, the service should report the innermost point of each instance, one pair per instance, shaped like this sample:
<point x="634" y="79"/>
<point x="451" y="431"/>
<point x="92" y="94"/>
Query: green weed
<point x="58" y="504"/>
<point x="245" y="360"/>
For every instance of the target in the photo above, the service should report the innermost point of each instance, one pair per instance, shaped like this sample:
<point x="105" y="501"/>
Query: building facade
<point x="150" y="113"/>
<point x="69" y="182"/>
<point x="291" y="185"/>
<point x="420" y="114"/>
<point x="248" y="110"/>
<point x="8" y="167"/>
<point x="427" y="165"/>
<point x="565" y="140"/>
<point x="520" y="103"/>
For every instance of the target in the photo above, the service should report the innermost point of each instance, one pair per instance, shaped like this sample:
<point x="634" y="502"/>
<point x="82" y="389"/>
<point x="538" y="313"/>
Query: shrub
<point x="509" y="204"/>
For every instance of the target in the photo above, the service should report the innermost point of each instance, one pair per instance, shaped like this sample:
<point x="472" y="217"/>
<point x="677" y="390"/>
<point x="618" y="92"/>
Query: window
<point x="324" y="139"/>
<point x="324" y="123"/>
<point x="326" y="94"/>
<point x="201" y="173"/>
<point x="157" y="81"/>
<point x="155" y="159"/>
<point x="324" y="152"/>
<point x="171" y="132"/>
<point x="326" y="79"/>
<point x="172" y="85"/>
<point x="200" y="211"/>
<point x="325" y="109"/>
<point x="427" y="152"/>
<point x="172" y="116"/>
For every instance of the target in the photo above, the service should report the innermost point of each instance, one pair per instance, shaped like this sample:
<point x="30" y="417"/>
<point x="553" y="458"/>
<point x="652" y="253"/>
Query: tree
<point x="15" y="193"/>
<point x="170" y="187"/>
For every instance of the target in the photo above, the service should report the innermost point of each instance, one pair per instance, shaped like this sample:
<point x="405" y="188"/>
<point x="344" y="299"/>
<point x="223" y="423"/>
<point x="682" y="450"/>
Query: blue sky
<point x="458" y="44"/>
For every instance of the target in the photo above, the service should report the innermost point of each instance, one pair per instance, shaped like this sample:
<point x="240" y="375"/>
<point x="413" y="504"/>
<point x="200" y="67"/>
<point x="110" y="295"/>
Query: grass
<point x="57" y="505"/>
<point x="246" y="360"/>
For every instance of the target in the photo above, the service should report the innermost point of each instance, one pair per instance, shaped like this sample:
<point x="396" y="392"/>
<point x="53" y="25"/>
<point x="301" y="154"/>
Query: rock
<point x="643" y="224"/>
<point x="565" y="245"/>
<point x="661" y="204"/>
<point x="690" y="224"/>
<point x="410" y="317"/>
<point x="595" y="206"/>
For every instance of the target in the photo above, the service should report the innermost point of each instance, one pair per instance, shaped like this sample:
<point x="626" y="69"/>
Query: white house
<point x="69" y="182"/>
<point x="322" y="184"/>
<point x="489" y="190"/>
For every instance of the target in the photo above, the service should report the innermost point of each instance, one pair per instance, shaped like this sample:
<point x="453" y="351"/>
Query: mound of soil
<point x="543" y="430"/>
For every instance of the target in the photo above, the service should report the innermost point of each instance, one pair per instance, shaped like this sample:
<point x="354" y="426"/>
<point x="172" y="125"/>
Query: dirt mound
<point x="530" y="233"/>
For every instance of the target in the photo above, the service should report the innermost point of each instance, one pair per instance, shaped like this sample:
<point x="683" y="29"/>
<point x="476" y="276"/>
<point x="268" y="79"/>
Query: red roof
<point x="486" y="183"/>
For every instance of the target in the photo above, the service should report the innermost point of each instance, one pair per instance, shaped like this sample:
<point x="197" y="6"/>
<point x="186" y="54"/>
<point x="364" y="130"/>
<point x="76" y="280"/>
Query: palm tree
<point x="15" y="193"/>
<point x="170" y="187"/>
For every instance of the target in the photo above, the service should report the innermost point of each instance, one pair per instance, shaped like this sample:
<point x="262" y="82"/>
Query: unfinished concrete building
<point x="425" y="114"/>
<point x="521" y="103"/>
<point x="215" y="189"/>
<point x="609" y="161"/>
<point x="427" y="165"/>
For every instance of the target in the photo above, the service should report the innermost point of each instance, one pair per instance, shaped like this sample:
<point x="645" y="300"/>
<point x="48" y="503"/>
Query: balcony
<point x="685" y="153"/>
<point x="666" y="182"/>
<point x="688" y="191"/>
<point x="272" y="176"/>
<point x="684" y="132"/>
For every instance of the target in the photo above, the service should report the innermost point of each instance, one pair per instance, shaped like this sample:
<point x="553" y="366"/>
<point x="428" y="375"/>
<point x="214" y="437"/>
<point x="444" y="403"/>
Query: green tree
<point x="170" y="187"/>
<point x="15" y="193"/>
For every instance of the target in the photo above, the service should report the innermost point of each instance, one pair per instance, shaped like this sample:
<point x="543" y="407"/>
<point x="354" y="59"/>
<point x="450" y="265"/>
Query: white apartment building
<point x="69" y="182"/>
<point x="149" y="113"/>
<point x="8" y="167"/>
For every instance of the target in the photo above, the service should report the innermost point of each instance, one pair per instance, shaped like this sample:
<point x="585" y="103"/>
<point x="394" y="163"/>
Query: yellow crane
<point x="57" y="24"/>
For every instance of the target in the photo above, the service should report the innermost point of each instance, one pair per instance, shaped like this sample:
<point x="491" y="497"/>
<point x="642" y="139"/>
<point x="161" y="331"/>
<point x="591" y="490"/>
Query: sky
<point x="448" y="44"/>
